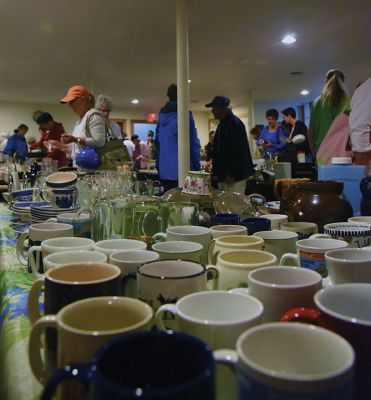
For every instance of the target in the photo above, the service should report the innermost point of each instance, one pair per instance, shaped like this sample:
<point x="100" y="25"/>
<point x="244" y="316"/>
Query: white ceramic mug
<point x="233" y="242"/>
<point x="234" y="266"/>
<point x="162" y="282"/>
<point x="349" y="266"/>
<point x="198" y="234"/>
<point x="356" y="234"/>
<point x="310" y="253"/>
<point x="75" y="256"/>
<point x="129" y="261"/>
<point x="276" y="220"/>
<point x="283" y="288"/>
<point x="110" y="246"/>
<point x="303" y="229"/>
<point x="81" y="223"/>
<point x="179" y="250"/>
<point x="56" y="245"/>
<point x="284" y="361"/>
<point x="227" y="230"/>
<point x="362" y="218"/>
<point x="36" y="234"/>
<point x="216" y="317"/>
<point x="278" y="242"/>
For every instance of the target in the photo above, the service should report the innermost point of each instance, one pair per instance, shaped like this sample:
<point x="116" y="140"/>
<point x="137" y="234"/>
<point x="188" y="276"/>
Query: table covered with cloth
<point x="16" y="379"/>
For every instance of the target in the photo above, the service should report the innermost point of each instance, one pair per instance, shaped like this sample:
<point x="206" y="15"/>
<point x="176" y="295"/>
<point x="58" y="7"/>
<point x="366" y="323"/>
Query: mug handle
<point x="289" y="256"/>
<point x="33" y="300"/>
<point x="34" y="261"/>
<point x="305" y="315"/>
<point x="212" y="274"/>
<point x="226" y="357"/>
<point x="20" y="245"/>
<point x="38" y="367"/>
<point x="210" y="249"/>
<point x="161" y="236"/>
<point x="171" y="308"/>
<point x="142" y="220"/>
<point x="125" y="280"/>
<point x="46" y="193"/>
<point x="76" y="372"/>
<point x="51" y="220"/>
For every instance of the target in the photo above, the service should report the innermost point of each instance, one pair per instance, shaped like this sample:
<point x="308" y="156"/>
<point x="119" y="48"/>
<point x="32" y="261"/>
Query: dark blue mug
<point x="254" y="225"/>
<point x="145" y="365"/>
<point x="226" y="219"/>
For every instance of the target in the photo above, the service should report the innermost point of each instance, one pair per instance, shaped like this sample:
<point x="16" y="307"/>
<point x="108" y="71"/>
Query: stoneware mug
<point x="56" y="245"/>
<point x="148" y="365"/>
<point x="292" y="361"/>
<point x="345" y="309"/>
<point x="216" y="317"/>
<point x="349" y="266"/>
<point x="280" y="289"/>
<point x="36" y="234"/>
<point x="224" y="244"/>
<point x="234" y="266"/>
<point x="162" y="282"/>
<point x="179" y="250"/>
<point x="83" y="327"/>
<point x="356" y="234"/>
<point x="310" y="253"/>
<point x="198" y="234"/>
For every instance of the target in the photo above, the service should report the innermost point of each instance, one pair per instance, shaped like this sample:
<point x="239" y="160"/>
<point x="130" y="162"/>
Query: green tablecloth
<point x="16" y="379"/>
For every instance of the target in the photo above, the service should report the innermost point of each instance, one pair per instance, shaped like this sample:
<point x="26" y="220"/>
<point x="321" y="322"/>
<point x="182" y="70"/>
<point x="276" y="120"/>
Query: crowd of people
<point x="339" y="126"/>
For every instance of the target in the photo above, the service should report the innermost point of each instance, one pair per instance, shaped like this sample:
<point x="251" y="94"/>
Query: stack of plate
<point x="42" y="212"/>
<point x="22" y="209"/>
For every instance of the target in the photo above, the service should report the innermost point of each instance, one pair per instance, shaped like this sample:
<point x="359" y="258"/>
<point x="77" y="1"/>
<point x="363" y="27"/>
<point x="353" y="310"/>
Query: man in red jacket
<point x="50" y="130"/>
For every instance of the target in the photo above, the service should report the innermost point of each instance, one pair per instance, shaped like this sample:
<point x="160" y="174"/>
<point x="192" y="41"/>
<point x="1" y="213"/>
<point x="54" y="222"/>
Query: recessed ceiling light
<point x="288" y="39"/>
<point x="135" y="101"/>
<point x="304" y="92"/>
<point x="189" y="81"/>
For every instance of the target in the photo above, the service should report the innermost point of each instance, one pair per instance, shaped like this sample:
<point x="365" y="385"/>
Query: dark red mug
<point x="344" y="309"/>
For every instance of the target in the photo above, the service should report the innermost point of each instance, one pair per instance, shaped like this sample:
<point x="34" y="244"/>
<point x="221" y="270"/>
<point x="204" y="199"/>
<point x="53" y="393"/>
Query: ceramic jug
<point x="321" y="202"/>
<point x="285" y="191"/>
<point x="366" y="196"/>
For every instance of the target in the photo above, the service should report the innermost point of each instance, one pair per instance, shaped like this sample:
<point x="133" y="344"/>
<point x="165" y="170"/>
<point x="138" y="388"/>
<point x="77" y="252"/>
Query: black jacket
<point x="231" y="152"/>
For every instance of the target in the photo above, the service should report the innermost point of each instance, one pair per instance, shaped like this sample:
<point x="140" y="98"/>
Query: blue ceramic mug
<point x="226" y="219"/>
<point x="254" y="225"/>
<point x="145" y="365"/>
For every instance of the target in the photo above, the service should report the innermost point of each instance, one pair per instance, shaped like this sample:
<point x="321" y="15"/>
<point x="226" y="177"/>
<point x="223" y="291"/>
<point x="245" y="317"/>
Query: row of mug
<point x="193" y="244"/>
<point x="305" y="353"/>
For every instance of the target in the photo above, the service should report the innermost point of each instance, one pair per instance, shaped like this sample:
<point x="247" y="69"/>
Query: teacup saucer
<point x="21" y="228"/>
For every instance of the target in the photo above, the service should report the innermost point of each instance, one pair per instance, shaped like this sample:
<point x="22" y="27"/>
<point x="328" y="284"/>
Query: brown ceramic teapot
<point x="285" y="191"/>
<point x="321" y="202"/>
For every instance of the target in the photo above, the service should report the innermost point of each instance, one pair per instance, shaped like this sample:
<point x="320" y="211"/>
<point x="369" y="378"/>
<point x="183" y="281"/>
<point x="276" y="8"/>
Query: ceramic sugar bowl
<point x="197" y="182"/>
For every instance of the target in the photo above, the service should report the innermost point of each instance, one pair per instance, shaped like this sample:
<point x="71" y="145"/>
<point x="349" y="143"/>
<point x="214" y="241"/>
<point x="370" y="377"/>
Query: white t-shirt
<point x="116" y="130"/>
<point x="130" y="146"/>
<point x="360" y="118"/>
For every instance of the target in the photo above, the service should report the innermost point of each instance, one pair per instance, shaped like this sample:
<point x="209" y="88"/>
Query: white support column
<point x="183" y="90"/>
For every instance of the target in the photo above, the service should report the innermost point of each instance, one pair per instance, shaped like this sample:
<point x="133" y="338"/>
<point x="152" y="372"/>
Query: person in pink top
<point x="141" y="153"/>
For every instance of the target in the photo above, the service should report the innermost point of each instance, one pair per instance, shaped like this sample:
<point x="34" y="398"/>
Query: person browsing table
<point x="231" y="158"/>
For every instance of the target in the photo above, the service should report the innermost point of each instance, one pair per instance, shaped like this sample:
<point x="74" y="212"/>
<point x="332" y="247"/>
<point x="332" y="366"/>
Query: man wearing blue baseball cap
<point x="231" y="159"/>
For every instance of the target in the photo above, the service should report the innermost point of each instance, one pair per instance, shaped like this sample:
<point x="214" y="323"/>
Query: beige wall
<point x="13" y="114"/>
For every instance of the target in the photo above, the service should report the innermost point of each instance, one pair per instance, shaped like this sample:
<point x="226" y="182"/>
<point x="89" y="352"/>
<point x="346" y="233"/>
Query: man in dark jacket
<point x="232" y="162"/>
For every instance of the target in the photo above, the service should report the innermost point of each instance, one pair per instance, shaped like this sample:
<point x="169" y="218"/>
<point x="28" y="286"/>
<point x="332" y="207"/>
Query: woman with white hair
<point x="104" y="103"/>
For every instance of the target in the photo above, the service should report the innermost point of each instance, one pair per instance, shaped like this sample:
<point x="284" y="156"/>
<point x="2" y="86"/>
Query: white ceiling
<point x="126" y="48"/>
